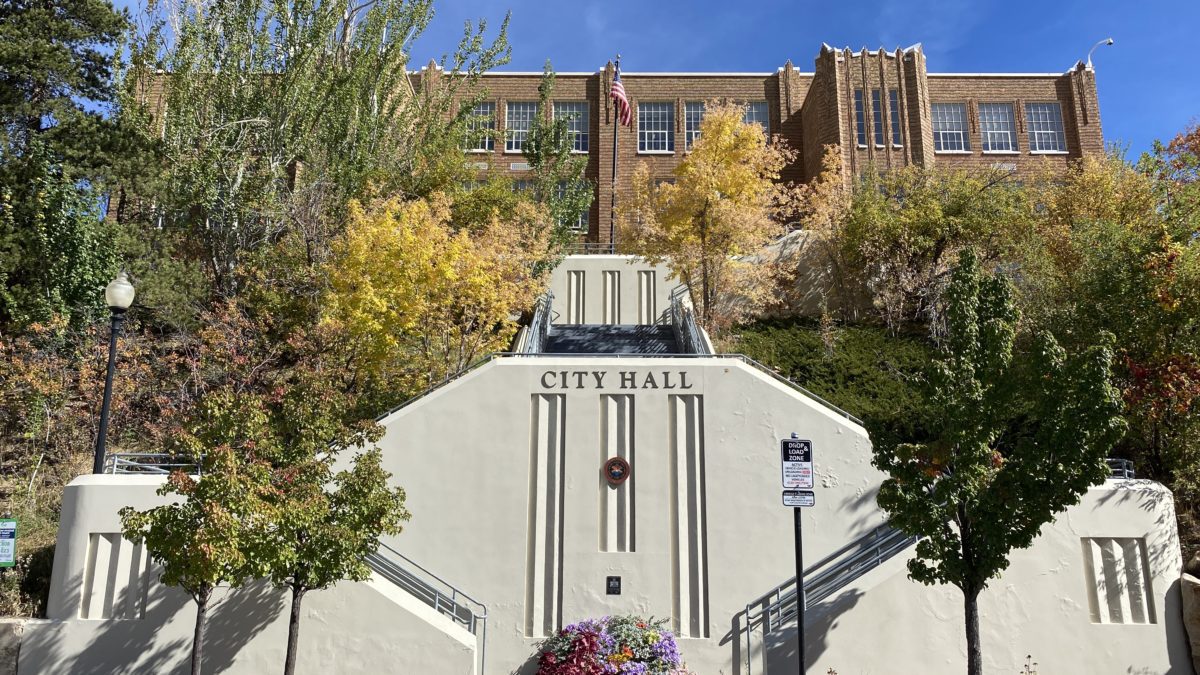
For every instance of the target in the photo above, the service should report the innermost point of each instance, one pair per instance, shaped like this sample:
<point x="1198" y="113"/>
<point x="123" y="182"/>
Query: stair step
<point x="610" y="339"/>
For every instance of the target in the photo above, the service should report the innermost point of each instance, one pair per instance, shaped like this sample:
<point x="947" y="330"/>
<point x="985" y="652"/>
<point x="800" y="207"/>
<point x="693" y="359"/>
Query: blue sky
<point x="1149" y="81"/>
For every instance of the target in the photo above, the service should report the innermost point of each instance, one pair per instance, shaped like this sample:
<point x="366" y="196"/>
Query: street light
<point x="119" y="296"/>
<point x="1105" y="41"/>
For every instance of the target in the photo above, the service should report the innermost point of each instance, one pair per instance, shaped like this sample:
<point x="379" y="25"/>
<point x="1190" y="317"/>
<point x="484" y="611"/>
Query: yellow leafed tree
<point x="711" y="223"/>
<point x="420" y="299"/>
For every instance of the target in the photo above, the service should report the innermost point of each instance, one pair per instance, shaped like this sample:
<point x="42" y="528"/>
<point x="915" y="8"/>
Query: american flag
<point x="617" y="94"/>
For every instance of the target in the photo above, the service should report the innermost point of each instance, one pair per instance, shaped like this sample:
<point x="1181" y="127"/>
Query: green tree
<point x="56" y="251"/>
<point x="559" y="181"/>
<point x="329" y="523"/>
<point x="904" y="229"/>
<point x="56" y="63"/>
<point x="214" y="536"/>
<point x="276" y="112"/>
<point x="1011" y="442"/>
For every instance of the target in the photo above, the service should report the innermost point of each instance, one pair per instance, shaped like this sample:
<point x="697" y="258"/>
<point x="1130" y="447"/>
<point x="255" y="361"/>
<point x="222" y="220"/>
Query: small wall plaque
<point x="616" y="470"/>
<point x="613" y="586"/>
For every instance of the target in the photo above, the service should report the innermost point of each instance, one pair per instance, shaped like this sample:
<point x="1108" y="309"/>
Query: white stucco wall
<point x="615" y="289"/>
<point x="1039" y="607"/>
<point x="502" y="469"/>
<point x="368" y="627"/>
<point x="489" y="516"/>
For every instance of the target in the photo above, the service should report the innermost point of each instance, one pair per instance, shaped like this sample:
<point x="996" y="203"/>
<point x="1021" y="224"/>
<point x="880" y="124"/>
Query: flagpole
<point x="612" y="212"/>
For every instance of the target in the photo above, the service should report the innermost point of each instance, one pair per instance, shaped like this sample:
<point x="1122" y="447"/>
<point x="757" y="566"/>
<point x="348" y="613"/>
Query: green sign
<point x="8" y="542"/>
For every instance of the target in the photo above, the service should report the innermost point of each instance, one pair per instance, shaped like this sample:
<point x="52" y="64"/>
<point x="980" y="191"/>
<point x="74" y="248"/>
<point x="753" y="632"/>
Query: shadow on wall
<point x="779" y="648"/>
<point x="777" y="652"/>
<point x="111" y="646"/>
<point x="1150" y="496"/>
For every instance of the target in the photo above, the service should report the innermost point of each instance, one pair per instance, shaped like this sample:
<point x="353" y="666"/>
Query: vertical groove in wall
<point x="575" y="296"/>
<point x="114" y="578"/>
<point x="1118" y="580"/>
<point x="647" y="312"/>
<point x="617" y="510"/>
<point x="543" y="568"/>
<point x="612" y="297"/>
<point x="689" y="545"/>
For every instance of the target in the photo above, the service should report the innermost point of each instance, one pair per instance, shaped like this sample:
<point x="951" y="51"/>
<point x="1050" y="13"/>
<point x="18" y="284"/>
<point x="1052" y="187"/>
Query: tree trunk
<point x="198" y="638"/>
<point x="971" y="616"/>
<point x="289" y="665"/>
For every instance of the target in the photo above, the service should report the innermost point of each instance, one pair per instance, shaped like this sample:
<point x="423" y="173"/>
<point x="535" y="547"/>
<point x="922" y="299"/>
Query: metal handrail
<point x="589" y="248"/>
<point x="535" y="337"/>
<point x="154" y="463"/>
<point x="688" y="333"/>
<point x="434" y="591"/>
<point x="1121" y="468"/>
<point x="821" y="580"/>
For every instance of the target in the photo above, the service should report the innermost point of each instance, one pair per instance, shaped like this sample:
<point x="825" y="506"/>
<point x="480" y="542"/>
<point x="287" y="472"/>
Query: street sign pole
<point x="796" y="460"/>
<point x="799" y="589"/>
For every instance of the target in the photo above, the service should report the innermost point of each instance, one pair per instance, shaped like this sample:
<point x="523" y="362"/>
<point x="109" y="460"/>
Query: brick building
<point x="883" y="108"/>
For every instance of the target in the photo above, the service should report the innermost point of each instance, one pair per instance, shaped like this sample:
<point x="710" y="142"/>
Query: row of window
<point x="860" y="117"/>
<point x="997" y="127"/>
<point x="655" y="124"/>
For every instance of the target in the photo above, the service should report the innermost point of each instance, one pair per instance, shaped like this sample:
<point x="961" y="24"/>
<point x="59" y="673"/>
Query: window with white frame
<point x="894" y="114"/>
<point x="997" y="127"/>
<point x="576" y="114"/>
<point x="756" y="112"/>
<point x="693" y="117"/>
<point x="517" y="121"/>
<point x="950" y="127"/>
<point x="522" y="185"/>
<point x="481" y="128"/>
<point x="581" y="223"/>
<point x="860" y="119"/>
<point x="656" y="127"/>
<point x="1045" y="124"/>
<point x="877" y="116"/>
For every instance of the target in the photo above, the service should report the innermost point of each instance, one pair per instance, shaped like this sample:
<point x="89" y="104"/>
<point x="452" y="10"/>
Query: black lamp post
<point x="119" y="296"/>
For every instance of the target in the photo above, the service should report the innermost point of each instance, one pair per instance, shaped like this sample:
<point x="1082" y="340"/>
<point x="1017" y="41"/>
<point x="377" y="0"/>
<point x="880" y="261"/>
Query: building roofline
<point x="538" y="73"/>
<point x="696" y="74"/>
<point x="995" y="74"/>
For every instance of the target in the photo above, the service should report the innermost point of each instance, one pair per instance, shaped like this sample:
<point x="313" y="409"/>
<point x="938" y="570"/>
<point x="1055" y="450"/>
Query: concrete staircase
<point x="610" y="339"/>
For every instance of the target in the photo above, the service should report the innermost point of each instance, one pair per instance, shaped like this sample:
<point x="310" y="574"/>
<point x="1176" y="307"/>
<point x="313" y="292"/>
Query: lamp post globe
<point x="119" y="297"/>
<point x="119" y="293"/>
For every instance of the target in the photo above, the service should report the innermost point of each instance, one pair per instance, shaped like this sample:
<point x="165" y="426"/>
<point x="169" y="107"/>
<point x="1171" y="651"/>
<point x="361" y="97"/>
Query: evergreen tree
<point x="56" y="65"/>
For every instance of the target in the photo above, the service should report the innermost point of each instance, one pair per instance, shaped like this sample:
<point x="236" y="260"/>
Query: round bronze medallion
<point x="616" y="471"/>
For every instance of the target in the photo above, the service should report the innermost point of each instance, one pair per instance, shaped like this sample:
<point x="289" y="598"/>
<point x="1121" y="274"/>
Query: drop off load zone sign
<point x="797" y="464"/>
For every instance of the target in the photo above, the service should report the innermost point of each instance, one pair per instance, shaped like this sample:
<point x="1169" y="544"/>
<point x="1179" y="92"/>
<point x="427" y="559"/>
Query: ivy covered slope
<point x="863" y="369"/>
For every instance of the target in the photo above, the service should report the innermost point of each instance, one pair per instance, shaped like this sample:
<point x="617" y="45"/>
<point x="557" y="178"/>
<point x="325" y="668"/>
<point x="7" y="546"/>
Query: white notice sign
<point x="801" y="498"/>
<point x="8" y="542"/>
<point x="797" y="463"/>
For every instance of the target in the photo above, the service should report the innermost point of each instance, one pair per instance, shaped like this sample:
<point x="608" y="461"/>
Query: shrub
<point x="611" y="646"/>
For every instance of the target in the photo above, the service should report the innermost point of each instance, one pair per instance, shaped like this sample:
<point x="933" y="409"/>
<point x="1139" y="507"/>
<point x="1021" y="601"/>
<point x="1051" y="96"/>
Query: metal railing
<point x="589" y="248"/>
<point x="1121" y="468"/>
<point x="434" y="591"/>
<point x="151" y="463"/>
<point x="688" y="334"/>
<point x="534" y="337"/>
<point x="821" y="580"/>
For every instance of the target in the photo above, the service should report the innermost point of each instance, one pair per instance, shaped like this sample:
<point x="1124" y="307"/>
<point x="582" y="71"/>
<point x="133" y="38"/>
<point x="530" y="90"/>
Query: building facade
<point x="883" y="109"/>
<point x="518" y="530"/>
